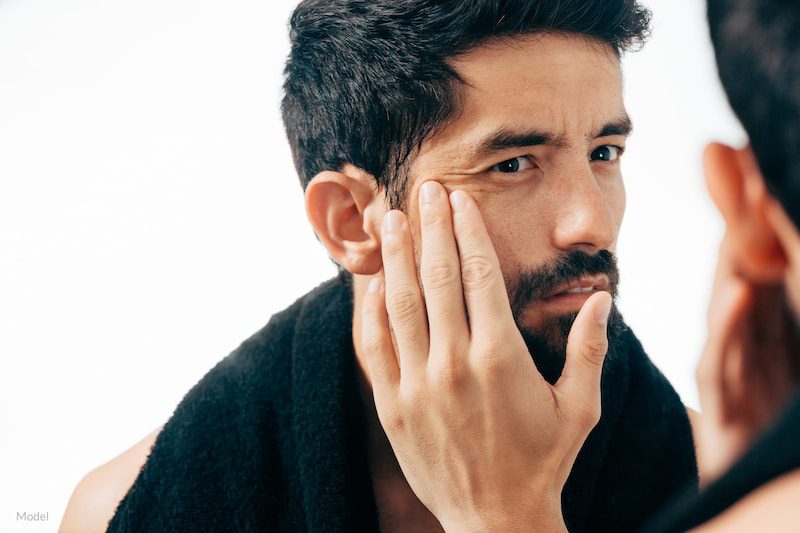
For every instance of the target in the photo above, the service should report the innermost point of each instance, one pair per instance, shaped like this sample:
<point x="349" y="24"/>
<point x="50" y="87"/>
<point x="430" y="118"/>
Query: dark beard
<point x="547" y="345"/>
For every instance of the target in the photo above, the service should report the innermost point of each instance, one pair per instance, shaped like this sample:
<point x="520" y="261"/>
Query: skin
<point x="744" y="384"/>
<point x="569" y="87"/>
<point x="96" y="496"/>
<point x="437" y="378"/>
<point x="563" y="199"/>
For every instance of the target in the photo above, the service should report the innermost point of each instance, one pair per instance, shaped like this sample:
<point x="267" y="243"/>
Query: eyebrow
<point x="508" y="137"/>
<point x="620" y="126"/>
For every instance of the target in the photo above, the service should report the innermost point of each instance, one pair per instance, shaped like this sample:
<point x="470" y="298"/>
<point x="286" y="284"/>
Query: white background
<point x="151" y="218"/>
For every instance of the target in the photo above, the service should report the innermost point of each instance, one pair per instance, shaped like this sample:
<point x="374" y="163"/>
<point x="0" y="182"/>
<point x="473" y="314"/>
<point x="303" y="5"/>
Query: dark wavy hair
<point x="757" y="45"/>
<point x="367" y="81"/>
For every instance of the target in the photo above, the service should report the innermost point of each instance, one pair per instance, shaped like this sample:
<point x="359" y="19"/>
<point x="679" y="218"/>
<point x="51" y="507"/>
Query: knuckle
<point x="373" y="344"/>
<point x="477" y="272"/>
<point x="439" y="273"/>
<point x="371" y="309"/>
<point x="493" y="364"/>
<point x="594" y="350"/>
<point x="492" y="358"/>
<point x="488" y="345"/>
<point x="449" y="373"/>
<point x="435" y="220"/>
<point x="394" y="421"/>
<point x="402" y="303"/>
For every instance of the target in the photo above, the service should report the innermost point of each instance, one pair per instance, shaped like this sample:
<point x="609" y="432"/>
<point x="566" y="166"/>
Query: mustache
<point x="535" y="284"/>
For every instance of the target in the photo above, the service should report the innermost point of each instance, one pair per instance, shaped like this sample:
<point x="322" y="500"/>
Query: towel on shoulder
<point x="273" y="438"/>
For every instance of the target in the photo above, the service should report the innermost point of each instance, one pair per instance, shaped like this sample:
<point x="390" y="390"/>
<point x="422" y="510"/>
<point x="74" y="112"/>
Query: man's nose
<point x="586" y="220"/>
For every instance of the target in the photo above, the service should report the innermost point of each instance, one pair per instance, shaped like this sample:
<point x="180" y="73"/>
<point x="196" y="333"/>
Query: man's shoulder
<point x="98" y="493"/>
<point x="771" y="507"/>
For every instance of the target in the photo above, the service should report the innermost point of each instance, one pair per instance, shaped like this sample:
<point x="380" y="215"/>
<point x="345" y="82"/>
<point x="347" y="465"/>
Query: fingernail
<point x="602" y="311"/>
<point x="391" y="221"/>
<point x="429" y="191"/>
<point x="375" y="285"/>
<point x="458" y="200"/>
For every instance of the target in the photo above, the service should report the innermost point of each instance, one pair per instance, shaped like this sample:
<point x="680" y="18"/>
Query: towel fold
<point x="273" y="438"/>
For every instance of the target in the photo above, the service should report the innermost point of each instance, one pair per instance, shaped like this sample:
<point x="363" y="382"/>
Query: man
<point x="391" y="105"/>
<point x="749" y="433"/>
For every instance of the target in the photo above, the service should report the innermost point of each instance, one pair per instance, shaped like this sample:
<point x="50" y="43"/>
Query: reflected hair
<point x="757" y="46"/>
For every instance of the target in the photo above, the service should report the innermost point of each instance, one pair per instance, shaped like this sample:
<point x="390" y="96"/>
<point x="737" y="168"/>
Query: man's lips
<point x="584" y="286"/>
<point x="567" y="298"/>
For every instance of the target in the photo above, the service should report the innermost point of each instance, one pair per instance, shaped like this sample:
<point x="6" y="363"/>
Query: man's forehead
<point x="554" y="91"/>
<point x="535" y="58"/>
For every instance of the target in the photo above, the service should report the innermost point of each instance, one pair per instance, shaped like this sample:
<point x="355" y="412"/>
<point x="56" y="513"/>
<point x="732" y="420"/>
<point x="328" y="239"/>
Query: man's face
<point x="537" y="145"/>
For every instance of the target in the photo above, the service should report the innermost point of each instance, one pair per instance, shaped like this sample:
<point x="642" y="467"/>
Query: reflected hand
<point x="748" y="369"/>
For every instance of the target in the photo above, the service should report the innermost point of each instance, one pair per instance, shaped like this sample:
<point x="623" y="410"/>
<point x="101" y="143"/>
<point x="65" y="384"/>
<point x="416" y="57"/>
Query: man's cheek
<point x="617" y="200"/>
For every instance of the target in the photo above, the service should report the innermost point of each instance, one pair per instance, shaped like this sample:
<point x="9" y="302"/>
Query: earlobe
<point x="339" y="205"/>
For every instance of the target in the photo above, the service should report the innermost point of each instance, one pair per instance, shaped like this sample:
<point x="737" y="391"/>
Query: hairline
<point x="457" y="92"/>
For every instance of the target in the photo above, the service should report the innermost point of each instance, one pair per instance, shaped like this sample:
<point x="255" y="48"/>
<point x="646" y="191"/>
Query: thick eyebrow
<point x="508" y="137"/>
<point x="621" y="126"/>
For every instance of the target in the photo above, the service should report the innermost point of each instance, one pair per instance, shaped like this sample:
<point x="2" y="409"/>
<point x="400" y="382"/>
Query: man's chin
<point x="546" y="337"/>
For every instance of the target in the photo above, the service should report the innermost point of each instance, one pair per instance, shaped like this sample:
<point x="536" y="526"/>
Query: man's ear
<point x="345" y="211"/>
<point x="737" y="187"/>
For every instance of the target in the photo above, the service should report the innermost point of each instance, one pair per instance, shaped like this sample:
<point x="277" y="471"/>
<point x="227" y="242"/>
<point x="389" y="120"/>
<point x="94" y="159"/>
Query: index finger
<point x="484" y="288"/>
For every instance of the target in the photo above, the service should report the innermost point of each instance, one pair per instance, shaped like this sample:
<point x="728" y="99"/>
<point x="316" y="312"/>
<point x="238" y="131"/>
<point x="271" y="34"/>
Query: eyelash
<point x="495" y="167"/>
<point x="620" y="150"/>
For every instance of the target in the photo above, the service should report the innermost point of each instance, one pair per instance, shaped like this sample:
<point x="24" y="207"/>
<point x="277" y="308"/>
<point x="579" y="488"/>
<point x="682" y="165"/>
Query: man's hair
<point x="757" y="45"/>
<point x="366" y="81"/>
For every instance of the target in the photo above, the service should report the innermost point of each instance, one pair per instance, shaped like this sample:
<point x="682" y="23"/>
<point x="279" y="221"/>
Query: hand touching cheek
<point x="483" y="440"/>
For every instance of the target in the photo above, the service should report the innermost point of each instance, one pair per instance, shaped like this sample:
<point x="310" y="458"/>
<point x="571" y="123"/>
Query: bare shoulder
<point x="97" y="495"/>
<point x="772" y="507"/>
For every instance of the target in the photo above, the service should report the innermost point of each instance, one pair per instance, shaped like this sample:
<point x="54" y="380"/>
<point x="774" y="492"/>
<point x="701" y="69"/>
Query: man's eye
<point x="513" y="165"/>
<point x="607" y="153"/>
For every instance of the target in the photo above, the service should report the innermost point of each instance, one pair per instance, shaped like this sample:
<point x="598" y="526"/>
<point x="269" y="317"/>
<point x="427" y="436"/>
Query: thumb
<point x="587" y="345"/>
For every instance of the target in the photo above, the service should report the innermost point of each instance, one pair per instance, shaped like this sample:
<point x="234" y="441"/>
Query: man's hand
<point x="748" y="369"/>
<point x="483" y="440"/>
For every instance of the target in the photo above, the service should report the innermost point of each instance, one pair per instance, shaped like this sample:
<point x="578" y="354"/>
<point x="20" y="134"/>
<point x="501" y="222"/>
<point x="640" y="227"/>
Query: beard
<point x="547" y="344"/>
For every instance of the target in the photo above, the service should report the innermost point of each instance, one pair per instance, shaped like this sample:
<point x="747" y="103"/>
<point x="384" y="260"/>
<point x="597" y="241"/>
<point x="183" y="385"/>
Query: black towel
<point x="273" y="438"/>
<point x="775" y="453"/>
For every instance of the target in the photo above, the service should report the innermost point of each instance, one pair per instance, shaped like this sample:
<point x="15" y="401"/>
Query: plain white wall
<point x="151" y="218"/>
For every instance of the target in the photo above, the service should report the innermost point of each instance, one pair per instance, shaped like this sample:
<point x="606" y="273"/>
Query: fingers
<point x="440" y="272"/>
<point x="404" y="303"/>
<point x="770" y="350"/>
<point x="376" y="341"/>
<point x="722" y="354"/>
<point x="587" y="345"/>
<point x="484" y="289"/>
